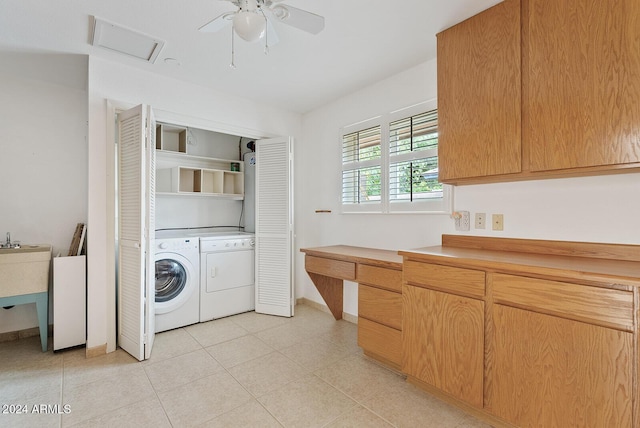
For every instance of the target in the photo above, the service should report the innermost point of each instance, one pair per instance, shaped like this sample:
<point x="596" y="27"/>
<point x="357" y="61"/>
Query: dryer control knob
<point x="163" y="245"/>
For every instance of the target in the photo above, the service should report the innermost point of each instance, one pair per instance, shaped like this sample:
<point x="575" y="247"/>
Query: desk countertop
<point x="369" y="256"/>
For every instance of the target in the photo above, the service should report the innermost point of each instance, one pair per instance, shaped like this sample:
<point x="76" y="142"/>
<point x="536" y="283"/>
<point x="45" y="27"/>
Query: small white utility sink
<point x="24" y="270"/>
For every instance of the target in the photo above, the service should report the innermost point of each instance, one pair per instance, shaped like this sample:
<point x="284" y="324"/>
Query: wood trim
<point x="558" y="248"/>
<point x="96" y="351"/>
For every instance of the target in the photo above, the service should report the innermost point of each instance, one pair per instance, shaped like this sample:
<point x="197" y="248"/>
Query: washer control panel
<point x="227" y="244"/>
<point x="177" y="244"/>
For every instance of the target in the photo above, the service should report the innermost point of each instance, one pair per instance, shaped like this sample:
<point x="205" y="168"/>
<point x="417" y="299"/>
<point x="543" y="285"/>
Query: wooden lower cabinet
<point x="443" y="342"/>
<point x="526" y="333"/>
<point x="380" y="314"/>
<point x="380" y="342"/>
<point x="549" y="371"/>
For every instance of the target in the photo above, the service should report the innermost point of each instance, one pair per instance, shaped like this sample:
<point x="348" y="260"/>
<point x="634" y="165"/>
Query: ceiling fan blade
<point x="218" y="23"/>
<point x="272" y="36"/>
<point x="301" y="19"/>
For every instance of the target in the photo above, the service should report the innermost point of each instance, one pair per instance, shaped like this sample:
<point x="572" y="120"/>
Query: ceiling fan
<point x="252" y="21"/>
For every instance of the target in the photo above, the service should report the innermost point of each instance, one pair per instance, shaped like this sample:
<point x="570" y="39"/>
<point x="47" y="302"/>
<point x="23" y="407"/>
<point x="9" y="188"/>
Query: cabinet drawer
<point x="330" y="267"/>
<point x="380" y="340"/>
<point x="386" y="278"/>
<point x="602" y="306"/>
<point x="449" y="279"/>
<point x="382" y="306"/>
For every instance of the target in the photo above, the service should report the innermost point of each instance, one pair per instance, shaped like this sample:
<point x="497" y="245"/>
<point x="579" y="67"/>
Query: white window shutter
<point x="274" y="226"/>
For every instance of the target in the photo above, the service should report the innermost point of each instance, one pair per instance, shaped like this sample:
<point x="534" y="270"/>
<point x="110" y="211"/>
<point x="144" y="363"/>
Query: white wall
<point x="174" y="102"/>
<point x="43" y="156"/>
<point x="318" y="179"/>
<point x="591" y="209"/>
<point x="188" y="211"/>
<point x="598" y="209"/>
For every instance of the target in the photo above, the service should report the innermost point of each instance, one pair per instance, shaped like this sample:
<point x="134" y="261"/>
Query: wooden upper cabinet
<point x="584" y="83"/>
<point x="479" y="95"/>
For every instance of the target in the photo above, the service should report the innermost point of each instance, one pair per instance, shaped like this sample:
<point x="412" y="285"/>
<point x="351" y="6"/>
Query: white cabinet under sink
<point x="69" y="301"/>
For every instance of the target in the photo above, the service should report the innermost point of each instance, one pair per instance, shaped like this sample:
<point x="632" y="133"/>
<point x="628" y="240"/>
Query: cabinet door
<point x="479" y="95"/>
<point x="443" y="342"/>
<point x="549" y="371"/>
<point x="583" y="83"/>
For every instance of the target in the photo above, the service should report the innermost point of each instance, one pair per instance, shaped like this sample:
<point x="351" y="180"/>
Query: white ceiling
<point x="363" y="42"/>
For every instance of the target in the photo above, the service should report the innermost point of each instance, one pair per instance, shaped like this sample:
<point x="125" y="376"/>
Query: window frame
<point x="386" y="206"/>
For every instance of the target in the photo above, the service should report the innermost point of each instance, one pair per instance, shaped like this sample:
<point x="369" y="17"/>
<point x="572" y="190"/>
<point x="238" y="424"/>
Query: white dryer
<point x="227" y="274"/>
<point x="177" y="281"/>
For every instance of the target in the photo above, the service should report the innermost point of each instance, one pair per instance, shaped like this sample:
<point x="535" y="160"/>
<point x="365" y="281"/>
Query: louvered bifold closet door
<point x="274" y="226"/>
<point x="150" y="234"/>
<point x="135" y="208"/>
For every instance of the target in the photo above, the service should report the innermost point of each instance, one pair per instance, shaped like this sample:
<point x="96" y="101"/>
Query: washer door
<point x="175" y="281"/>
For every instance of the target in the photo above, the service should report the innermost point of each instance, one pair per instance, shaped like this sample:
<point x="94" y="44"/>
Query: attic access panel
<point x="125" y="41"/>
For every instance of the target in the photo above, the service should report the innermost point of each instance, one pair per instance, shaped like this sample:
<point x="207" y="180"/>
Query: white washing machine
<point x="177" y="281"/>
<point x="227" y="274"/>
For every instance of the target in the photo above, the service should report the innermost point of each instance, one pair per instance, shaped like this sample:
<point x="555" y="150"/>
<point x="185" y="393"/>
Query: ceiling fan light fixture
<point x="250" y="26"/>
<point x="280" y="12"/>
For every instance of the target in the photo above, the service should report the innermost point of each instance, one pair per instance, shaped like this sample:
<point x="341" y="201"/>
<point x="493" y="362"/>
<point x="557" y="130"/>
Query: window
<point x="393" y="166"/>
<point x="413" y="158"/>
<point x="362" y="167"/>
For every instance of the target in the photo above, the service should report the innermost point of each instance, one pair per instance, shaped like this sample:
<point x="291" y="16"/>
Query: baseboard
<point x="10" y="336"/>
<point x="96" y="351"/>
<point x="353" y="319"/>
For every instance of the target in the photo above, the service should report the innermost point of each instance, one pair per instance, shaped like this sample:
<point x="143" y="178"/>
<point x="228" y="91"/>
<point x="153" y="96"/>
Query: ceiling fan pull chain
<point x="233" y="50"/>
<point x="266" y="33"/>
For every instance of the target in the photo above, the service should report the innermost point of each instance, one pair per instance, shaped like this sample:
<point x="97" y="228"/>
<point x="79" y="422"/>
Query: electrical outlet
<point x="497" y="221"/>
<point x="481" y="220"/>
<point x="462" y="220"/>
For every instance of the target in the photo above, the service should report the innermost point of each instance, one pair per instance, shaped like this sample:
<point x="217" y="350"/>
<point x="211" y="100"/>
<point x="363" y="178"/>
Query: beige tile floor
<point x="249" y="370"/>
